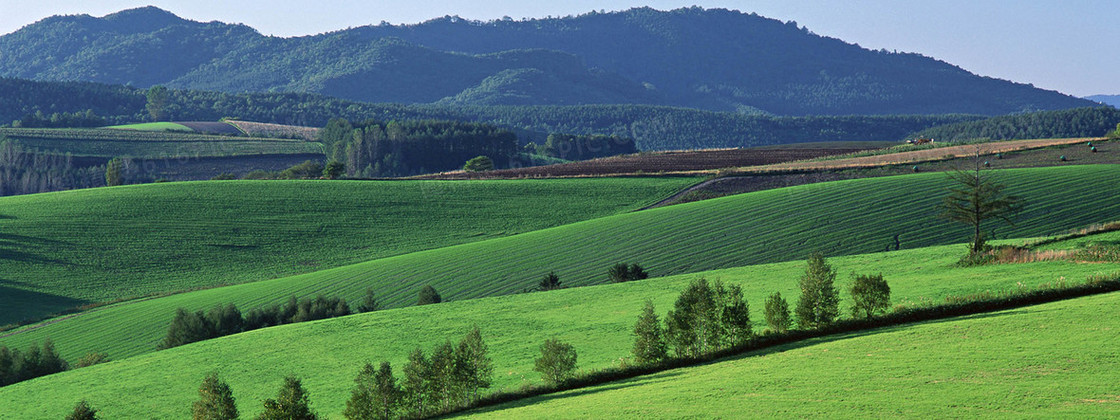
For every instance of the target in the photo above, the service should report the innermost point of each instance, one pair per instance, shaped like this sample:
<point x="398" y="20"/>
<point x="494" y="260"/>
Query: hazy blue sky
<point x="1065" y="45"/>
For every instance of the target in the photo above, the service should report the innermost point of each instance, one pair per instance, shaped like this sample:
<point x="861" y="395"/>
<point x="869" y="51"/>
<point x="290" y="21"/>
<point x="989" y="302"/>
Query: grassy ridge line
<point x="597" y="320"/>
<point x="60" y="250"/>
<point x="1050" y="360"/>
<point x="845" y="217"/>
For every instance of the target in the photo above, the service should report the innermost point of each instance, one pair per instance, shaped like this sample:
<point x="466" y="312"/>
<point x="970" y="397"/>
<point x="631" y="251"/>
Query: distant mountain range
<point x="710" y="59"/>
<point x="1113" y="100"/>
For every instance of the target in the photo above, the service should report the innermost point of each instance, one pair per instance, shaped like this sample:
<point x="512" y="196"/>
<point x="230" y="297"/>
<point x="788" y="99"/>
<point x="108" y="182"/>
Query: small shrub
<point x="549" y="282"/>
<point x="870" y="295"/>
<point x="427" y="296"/>
<point x="92" y="359"/>
<point x="479" y="164"/>
<point x="557" y="362"/>
<point x="334" y="169"/>
<point x="369" y="302"/>
<point x="82" y="411"/>
<point x="623" y="272"/>
<point x="224" y="177"/>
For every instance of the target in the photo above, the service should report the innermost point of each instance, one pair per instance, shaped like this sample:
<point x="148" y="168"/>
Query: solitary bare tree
<point x="976" y="196"/>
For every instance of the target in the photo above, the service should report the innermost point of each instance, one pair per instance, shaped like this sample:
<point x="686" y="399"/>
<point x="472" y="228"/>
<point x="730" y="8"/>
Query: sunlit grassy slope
<point x="596" y="320"/>
<point x="1057" y="360"/>
<point x="60" y="250"/>
<point x="845" y="217"/>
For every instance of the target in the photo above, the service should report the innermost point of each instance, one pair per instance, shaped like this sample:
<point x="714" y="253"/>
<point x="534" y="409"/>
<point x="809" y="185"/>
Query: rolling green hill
<point x="837" y="218"/>
<point x="1056" y="360"/>
<point x="596" y="320"/>
<point x="60" y="250"/>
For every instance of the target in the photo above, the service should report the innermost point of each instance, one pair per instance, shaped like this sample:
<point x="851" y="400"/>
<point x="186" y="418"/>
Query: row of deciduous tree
<point x="709" y="317"/>
<point x="450" y="378"/>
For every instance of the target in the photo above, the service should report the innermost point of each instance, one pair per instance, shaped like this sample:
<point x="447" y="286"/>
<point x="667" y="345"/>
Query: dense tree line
<point x="85" y="118"/>
<point x="398" y="148"/>
<point x="221" y="320"/>
<point x="27" y="171"/>
<point x="1079" y="122"/>
<point x="575" y="147"/>
<point x="652" y="127"/>
<point x="708" y="318"/>
<point x="36" y="361"/>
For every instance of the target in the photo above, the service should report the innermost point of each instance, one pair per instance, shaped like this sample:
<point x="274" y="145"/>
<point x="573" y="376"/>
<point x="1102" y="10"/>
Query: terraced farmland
<point x="597" y="320"/>
<point x="845" y="217"/>
<point x="1056" y="360"/>
<point x="61" y="250"/>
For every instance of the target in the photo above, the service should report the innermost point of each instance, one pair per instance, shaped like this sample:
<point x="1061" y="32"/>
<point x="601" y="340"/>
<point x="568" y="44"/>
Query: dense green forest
<point x="653" y="127"/>
<point x="1080" y="122"/>
<point x="401" y="148"/>
<point x="710" y="59"/>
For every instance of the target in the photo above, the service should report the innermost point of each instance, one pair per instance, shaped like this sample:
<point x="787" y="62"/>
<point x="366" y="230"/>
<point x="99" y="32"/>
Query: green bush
<point x="870" y="295"/>
<point x="557" y="362"/>
<point x="369" y="302"/>
<point x="290" y="404"/>
<point x="92" y="359"/>
<point x="427" y="296"/>
<point x="623" y="272"/>
<point x="215" y="400"/>
<point x="82" y="411"/>
<point x="479" y="164"/>
<point x="549" y="282"/>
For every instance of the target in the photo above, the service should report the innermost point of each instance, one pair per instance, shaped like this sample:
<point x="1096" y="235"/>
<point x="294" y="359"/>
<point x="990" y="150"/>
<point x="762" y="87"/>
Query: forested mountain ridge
<point x="710" y="59"/>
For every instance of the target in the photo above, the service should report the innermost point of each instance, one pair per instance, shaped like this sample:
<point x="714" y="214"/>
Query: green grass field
<point x="61" y="250"/>
<point x="153" y="126"/>
<point x="596" y="320"/>
<point x="845" y="217"/>
<point x="1055" y="360"/>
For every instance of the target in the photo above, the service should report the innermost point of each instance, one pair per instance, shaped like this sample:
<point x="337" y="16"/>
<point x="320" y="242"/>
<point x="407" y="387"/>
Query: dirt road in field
<point x="917" y="155"/>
